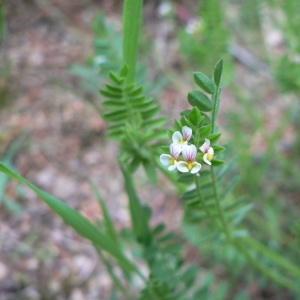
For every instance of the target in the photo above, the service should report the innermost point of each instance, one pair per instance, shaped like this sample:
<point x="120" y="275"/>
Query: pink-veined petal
<point x="204" y="148"/>
<point x="176" y="137"/>
<point x="165" y="159"/>
<point x="189" y="152"/>
<point x="187" y="133"/>
<point x="175" y="150"/>
<point x="182" y="166"/>
<point x="196" y="168"/>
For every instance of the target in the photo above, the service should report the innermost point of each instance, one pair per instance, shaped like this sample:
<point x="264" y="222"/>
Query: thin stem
<point x="132" y="16"/>
<point x="225" y="227"/>
<point x="274" y="275"/>
<point x="112" y="274"/>
<point x="217" y="201"/>
<point x="215" y="101"/>
<point x="198" y="186"/>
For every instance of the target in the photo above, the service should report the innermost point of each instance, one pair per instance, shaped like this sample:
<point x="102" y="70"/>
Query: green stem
<point x="132" y="16"/>
<point x="198" y="186"/>
<point x="112" y="274"/>
<point x="225" y="227"/>
<point x="267" y="271"/>
<point x="274" y="275"/>
<point x="218" y="205"/>
<point x="214" y="113"/>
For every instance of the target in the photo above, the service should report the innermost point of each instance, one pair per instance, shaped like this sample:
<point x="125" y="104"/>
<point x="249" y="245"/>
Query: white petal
<point x="176" y="137"/>
<point x="187" y="133"/>
<point x="172" y="167"/>
<point x="196" y="168"/>
<point x="182" y="145"/>
<point x="206" y="160"/>
<point x="182" y="166"/>
<point x="165" y="159"/>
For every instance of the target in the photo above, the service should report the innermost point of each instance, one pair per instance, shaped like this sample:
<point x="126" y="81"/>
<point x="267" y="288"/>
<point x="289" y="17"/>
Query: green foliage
<point x="287" y="74"/>
<point x="287" y="67"/>
<point x="200" y="100"/>
<point x="212" y="204"/>
<point x="218" y="72"/>
<point x="139" y="213"/>
<point x="202" y="45"/>
<point x="133" y="121"/>
<point x="107" y="56"/>
<point x="5" y="66"/>
<point x="169" y="277"/>
<point x="132" y="13"/>
<point x="217" y="219"/>
<point x="296" y="229"/>
<point x="204" y="82"/>
<point x="108" y="222"/>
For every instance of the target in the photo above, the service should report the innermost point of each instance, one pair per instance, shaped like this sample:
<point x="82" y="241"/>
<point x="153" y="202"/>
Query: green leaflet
<point x="218" y="72"/>
<point x="214" y="137"/>
<point x="204" y="82"/>
<point x="199" y="100"/>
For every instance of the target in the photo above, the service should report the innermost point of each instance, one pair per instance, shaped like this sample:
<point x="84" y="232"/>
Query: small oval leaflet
<point x="199" y="100"/>
<point x="204" y="82"/>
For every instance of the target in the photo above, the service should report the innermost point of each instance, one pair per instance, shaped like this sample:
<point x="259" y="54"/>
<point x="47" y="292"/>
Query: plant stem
<point x="117" y="282"/>
<point x="215" y="102"/>
<point x="207" y="211"/>
<point x="267" y="271"/>
<point x="274" y="275"/>
<point x="132" y="16"/>
<point x="218" y="205"/>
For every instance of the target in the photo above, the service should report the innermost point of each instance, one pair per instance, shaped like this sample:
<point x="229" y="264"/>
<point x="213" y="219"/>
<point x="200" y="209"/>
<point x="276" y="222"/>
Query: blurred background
<point x="55" y="55"/>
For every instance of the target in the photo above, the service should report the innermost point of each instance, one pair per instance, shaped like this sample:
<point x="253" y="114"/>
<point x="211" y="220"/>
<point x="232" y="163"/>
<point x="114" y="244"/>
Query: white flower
<point x="182" y="139"/>
<point x="208" y="152"/>
<point x="171" y="160"/>
<point x="189" y="165"/>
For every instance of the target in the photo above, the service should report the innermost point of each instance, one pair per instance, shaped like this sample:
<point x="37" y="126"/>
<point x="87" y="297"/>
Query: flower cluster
<point x="180" y="146"/>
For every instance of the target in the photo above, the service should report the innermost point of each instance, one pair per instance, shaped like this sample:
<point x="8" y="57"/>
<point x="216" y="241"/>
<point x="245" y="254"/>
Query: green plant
<point x="106" y="58"/>
<point x="5" y="69"/>
<point x="206" y="38"/>
<point x="214" y="214"/>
